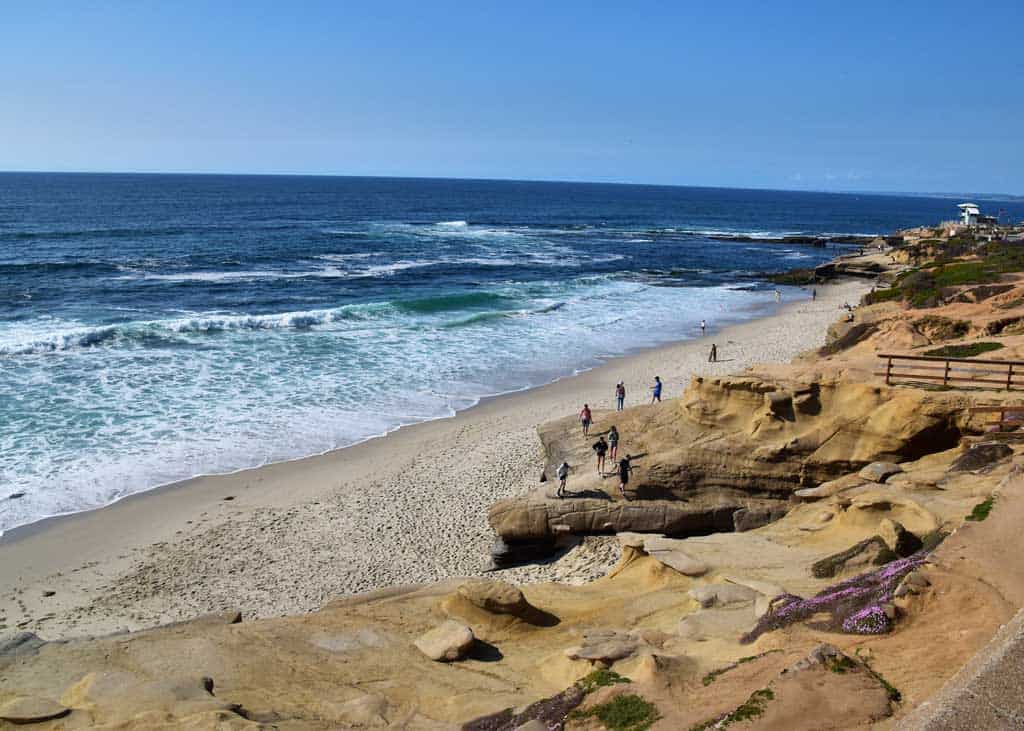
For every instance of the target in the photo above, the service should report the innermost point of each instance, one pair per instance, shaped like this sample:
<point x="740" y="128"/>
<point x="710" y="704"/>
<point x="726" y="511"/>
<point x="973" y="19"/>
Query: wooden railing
<point x="1009" y="417"/>
<point x="1006" y="374"/>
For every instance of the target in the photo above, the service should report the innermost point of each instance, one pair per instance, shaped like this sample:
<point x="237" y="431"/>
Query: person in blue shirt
<point x="656" y="390"/>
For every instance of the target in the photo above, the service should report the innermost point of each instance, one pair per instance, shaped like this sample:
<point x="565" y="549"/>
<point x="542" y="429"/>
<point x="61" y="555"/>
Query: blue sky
<point x="899" y="96"/>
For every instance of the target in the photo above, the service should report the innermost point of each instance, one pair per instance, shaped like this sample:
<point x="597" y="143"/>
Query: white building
<point x="969" y="213"/>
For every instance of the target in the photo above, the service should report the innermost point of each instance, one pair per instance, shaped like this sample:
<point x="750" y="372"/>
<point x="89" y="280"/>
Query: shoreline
<point x="764" y="311"/>
<point x="350" y="519"/>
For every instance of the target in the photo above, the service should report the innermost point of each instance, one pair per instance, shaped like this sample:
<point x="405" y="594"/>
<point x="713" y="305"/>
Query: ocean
<point x="158" y="327"/>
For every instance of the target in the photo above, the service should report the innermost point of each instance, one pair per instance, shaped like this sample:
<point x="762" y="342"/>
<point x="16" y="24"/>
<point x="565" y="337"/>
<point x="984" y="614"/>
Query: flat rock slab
<point x="32" y="709"/>
<point x="880" y="471"/>
<point x="601" y="647"/>
<point x="447" y="642"/>
<point x="720" y="595"/>
<point x="669" y="551"/>
<point x="830" y="488"/>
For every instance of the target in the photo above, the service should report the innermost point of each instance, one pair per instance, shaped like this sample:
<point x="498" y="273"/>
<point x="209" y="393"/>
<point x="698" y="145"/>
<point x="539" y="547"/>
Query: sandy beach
<point x="408" y="507"/>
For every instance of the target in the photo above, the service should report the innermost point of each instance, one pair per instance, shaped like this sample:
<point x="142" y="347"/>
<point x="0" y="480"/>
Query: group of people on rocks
<point x="606" y="448"/>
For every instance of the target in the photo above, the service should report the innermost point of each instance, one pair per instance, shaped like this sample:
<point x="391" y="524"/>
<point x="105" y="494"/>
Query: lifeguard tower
<point x="969" y="213"/>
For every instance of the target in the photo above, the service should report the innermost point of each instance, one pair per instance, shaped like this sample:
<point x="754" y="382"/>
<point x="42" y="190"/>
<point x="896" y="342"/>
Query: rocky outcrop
<point x="537" y="516"/>
<point x="730" y="455"/>
<point x="447" y="642"/>
<point x="746" y="519"/>
<point x="981" y="456"/>
<point x="869" y="552"/>
<point x="879" y="471"/>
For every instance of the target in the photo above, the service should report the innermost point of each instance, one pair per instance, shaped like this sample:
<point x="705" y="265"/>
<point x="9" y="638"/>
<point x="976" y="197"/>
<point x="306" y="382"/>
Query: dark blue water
<point x="157" y="327"/>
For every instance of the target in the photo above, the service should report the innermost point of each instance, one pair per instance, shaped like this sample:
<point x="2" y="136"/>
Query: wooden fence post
<point x="1009" y="375"/>
<point x="945" y="376"/>
<point x="888" y="372"/>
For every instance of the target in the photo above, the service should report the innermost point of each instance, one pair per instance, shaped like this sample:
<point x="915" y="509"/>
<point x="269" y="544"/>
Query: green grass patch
<point x="752" y="708"/>
<point x="891" y="294"/>
<point x="925" y="298"/>
<point x="840" y="665"/>
<point x="600" y="679"/>
<point x="981" y="510"/>
<point x="968" y="350"/>
<point x="623" y="713"/>
<point x="967" y="272"/>
<point x="713" y="675"/>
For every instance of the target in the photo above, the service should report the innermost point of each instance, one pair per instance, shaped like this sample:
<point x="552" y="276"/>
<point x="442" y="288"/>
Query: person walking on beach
<point x="703" y="326"/>
<point x="814" y="294"/>
<point x="656" y="390"/>
<point x="600" y="449"/>
<point x="624" y="469"/>
<point x="586" y="419"/>
<point x="613" y="444"/>
<point x="620" y="395"/>
<point x="563" y="476"/>
<point x="778" y="296"/>
<point x="713" y="355"/>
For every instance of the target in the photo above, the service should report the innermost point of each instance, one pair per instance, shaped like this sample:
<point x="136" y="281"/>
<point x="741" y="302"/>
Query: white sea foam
<point x="246" y="389"/>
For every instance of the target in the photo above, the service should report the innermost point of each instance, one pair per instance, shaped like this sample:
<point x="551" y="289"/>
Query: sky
<point x="893" y="96"/>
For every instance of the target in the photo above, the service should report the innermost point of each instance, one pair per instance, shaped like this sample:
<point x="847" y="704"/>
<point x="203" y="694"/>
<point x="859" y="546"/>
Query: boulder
<point x="32" y="709"/>
<point x="901" y="541"/>
<point x="497" y="597"/>
<point x="879" y="471"/>
<point x="447" y="642"/>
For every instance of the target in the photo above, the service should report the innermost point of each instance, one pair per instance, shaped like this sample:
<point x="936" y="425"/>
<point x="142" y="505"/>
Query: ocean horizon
<point x="155" y="327"/>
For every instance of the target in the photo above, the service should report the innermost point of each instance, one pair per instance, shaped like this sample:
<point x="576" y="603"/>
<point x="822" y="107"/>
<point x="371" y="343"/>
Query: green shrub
<point x="968" y="350"/>
<point x="919" y="289"/>
<point x="751" y="709"/>
<point x="840" y="665"/>
<point x="981" y="510"/>
<point x="883" y="295"/>
<point x="600" y="679"/>
<point x="623" y="713"/>
<point x="924" y="299"/>
<point x="713" y="675"/>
